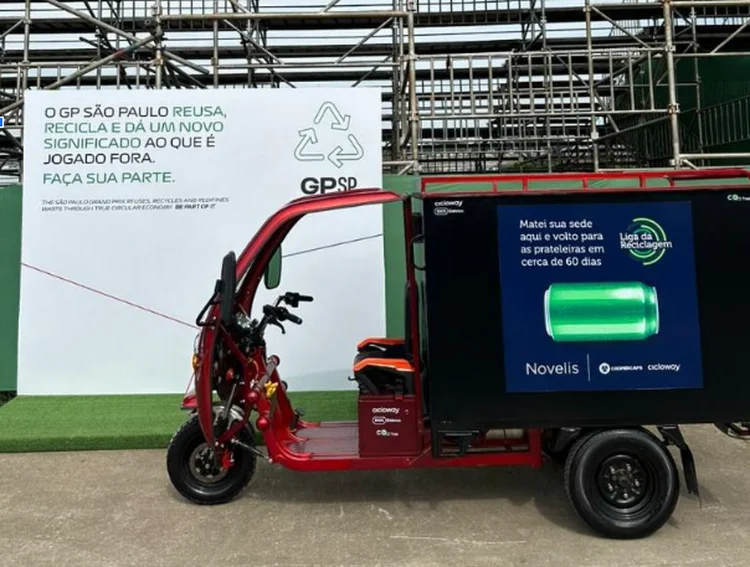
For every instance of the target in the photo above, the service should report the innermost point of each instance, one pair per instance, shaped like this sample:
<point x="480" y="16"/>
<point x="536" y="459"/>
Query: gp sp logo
<point x="323" y="185"/>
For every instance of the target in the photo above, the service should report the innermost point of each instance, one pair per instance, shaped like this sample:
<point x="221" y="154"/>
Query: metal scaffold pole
<point x="413" y="109"/>
<point x="158" y="35"/>
<point x="215" y="58"/>
<point x="673" y="108"/>
<point x="592" y="87"/>
<point x="395" y="88"/>
<point x="697" y="78"/>
<point x="270" y="16"/>
<point x="596" y="88"/>
<point x="24" y="71"/>
<point x="84" y="71"/>
<point x="26" y="39"/>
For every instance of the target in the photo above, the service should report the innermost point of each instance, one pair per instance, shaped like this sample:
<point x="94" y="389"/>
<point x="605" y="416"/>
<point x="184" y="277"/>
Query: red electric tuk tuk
<point x="443" y="395"/>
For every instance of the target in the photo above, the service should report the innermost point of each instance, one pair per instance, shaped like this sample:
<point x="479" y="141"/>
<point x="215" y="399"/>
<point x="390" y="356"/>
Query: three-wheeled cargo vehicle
<point x="579" y="324"/>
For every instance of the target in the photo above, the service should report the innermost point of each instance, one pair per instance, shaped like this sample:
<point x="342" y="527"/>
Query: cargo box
<point x="576" y="308"/>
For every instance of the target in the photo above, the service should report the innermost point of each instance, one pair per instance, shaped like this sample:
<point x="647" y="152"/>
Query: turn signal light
<point x="271" y="389"/>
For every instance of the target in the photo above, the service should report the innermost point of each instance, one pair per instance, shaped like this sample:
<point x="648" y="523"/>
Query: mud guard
<point x="565" y="438"/>
<point x="673" y="436"/>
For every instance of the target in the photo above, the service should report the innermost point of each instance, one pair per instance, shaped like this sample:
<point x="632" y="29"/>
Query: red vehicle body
<point x="217" y="445"/>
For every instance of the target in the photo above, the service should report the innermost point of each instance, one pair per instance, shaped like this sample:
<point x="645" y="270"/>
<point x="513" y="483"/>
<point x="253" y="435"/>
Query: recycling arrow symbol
<point x="308" y="149"/>
<point x="337" y="156"/>
<point x="307" y="137"/>
<point x="340" y="122"/>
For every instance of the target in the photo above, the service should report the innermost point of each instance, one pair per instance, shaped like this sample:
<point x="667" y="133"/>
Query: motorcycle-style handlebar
<point x="293" y="318"/>
<point x="281" y="314"/>
<point x="276" y="313"/>
<point x="294" y="299"/>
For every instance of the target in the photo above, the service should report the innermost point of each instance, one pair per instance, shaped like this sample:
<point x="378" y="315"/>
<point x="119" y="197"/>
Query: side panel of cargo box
<point x="588" y="309"/>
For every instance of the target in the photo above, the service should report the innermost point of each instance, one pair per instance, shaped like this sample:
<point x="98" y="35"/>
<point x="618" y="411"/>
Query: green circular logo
<point x="649" y="241"/>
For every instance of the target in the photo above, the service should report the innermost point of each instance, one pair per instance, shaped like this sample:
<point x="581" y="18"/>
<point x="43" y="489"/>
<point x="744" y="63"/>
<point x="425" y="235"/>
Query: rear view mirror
<point x="228" y="283"/>
<point x="272" y="275"/>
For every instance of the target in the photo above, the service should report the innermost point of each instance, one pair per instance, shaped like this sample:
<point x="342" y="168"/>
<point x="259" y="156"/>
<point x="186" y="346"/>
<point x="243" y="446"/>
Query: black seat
<point x="383" y="347"/>
<point x="381" y="374"/>
<point x="383" y="366"/>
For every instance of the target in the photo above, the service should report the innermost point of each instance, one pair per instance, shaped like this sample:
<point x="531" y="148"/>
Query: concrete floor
<point x="118" y="509"/>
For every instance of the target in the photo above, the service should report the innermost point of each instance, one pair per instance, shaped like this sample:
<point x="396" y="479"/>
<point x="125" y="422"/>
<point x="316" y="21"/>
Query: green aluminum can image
<point x="602" y="311"/>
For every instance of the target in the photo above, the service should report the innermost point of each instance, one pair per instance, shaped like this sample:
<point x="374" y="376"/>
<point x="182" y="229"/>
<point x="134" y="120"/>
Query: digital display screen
<point x="599" y="297"/>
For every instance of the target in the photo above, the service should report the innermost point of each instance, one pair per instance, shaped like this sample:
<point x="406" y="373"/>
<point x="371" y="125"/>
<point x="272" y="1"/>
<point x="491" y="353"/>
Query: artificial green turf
<point x="72" y="423"/>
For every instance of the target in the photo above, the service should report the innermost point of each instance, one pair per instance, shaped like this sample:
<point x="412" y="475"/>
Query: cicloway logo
<point x="645" y="241"/>
<point x="444" y="208"/>
<point x="386" y="410"/>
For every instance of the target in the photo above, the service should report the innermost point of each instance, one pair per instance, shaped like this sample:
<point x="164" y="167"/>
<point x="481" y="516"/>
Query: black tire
<point x="196" y="487"/>
<point x="623" y="483"/>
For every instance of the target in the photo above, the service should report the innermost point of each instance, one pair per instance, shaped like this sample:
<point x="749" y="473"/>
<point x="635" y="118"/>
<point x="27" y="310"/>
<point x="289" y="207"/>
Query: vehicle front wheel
<point x="194" y="474"/>
<point x="623" y="483"/>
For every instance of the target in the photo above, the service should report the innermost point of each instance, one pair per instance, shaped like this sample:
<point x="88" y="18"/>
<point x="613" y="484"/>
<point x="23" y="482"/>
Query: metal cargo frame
<point x="469" y="86"/>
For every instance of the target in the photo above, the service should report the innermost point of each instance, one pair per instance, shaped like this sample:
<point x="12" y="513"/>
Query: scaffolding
<point x="468" y="86"/>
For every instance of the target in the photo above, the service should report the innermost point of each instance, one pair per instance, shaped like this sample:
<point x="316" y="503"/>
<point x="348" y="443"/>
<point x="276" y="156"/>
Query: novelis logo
<point x="645" y="241"/>
<point x="561" y="369"/>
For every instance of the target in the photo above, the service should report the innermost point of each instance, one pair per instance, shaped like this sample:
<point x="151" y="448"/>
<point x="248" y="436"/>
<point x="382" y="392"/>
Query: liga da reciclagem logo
<point x="645" y="241"/>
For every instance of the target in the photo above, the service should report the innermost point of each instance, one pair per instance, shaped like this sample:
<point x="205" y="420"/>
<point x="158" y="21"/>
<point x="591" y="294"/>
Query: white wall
<point x="109" y="297"/>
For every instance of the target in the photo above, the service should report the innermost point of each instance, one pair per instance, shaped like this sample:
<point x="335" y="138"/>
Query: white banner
<point x="131" y="198"/>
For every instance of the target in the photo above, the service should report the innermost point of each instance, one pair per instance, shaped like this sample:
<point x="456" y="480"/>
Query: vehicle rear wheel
<point x="623" y="483"/>
<point x="194" y="474"/>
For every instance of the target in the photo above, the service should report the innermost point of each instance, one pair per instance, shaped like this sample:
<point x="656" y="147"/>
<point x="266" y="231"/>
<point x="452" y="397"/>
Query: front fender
<point x="204" y="386"/>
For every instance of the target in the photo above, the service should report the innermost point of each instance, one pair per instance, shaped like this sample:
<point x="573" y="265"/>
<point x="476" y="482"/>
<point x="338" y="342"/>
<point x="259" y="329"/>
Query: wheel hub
<point x="622" y="481"/>
<point x="203" y="466"/>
